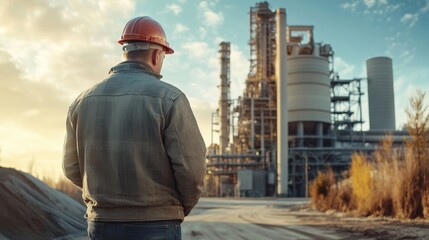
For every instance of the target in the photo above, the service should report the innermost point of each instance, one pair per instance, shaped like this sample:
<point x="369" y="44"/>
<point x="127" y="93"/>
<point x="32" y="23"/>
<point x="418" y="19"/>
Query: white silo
<point x="309" y="85"/>
<point x="381" y="98"/>
<point x="309" y="95"/>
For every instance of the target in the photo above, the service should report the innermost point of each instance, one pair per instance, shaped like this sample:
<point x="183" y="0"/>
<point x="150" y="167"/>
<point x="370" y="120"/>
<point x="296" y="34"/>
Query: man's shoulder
<point x="141" y="84"/>
<point x="170" y="90"/>
<point x="79" y="98"/>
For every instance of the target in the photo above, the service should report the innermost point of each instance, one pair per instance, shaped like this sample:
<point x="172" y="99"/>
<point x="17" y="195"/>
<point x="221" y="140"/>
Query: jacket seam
<point x="129" y="94"/>
<point x="177" y="135"/>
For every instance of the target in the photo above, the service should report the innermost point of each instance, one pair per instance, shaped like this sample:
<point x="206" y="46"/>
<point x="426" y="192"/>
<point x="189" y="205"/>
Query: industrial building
<point x="296" y="116"/>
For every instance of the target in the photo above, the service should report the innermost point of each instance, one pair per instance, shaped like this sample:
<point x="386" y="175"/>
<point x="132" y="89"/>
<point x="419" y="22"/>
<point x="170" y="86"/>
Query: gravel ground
<point x="258" y="219"/>
<point x="364" y="227"/>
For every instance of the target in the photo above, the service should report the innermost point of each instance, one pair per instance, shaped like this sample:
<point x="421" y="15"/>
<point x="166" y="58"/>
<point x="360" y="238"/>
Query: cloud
<point x="50" y="51"/>
<point x="210" y="17"/>
<point x="71" y="52"/>
<point x="425" y="8"/>
<point x="174" y="8"/>
<point x="30" y="104"/>
<point x="32" y="117"/>
<point x="203" y="32"/>
<point x="202" y="111"/>
<point x="410" y="19"/>
<point x="344" y="69"/>
<point x="386" y="11"/>
<point x="196" y="49"/>
<point x="239" y="70"/>
<point x="407" y="56"/>
<point x="180" y="28"/>
<point x="372" y="3"/>
<point x="369" y="3"/>
<point x="34" y="19"/>
<point x="372" y="7"/>
<point x="59" y="21"/>
<point x="406" y="85"/>
<point x="206" y="77"/>
<point x="350" y="5"/>
<point x="205" y="72"/>
<point x="199" y="66"/>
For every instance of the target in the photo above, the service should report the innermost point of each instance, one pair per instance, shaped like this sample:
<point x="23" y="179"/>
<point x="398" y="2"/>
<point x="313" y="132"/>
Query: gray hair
<point x="134" y="46"/>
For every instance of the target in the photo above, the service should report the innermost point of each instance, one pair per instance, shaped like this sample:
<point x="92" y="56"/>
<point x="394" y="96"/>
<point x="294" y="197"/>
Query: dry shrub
<point x="327" y="193"/>
<point x="415" y="178"/>
<point x="320" y="190"/>
<point x="345" y="201"/>
<point x="395" y="183"/>
<point x="362" y="182"/>
<point x="386" y="161"/>
<point x="426" y="204"/>
<point x="409" y="195"/>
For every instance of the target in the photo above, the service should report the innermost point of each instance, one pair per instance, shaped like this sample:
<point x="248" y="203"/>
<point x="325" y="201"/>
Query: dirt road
<point x="259" y="219"/>
<point x="216" y="218"/>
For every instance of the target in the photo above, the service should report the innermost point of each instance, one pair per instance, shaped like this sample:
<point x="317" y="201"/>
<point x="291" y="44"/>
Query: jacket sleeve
<point x="186" y="150"/>
<point x="70" y="157"/>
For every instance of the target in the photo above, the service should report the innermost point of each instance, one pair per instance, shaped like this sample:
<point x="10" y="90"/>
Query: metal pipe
<point x="252" y="125"/>
<point x="262" y="136"/>
<point x="282" y="109"/>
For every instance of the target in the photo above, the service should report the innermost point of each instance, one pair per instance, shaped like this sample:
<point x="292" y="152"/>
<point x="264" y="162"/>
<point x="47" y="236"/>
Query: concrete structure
<point x="252" y="183"/>
<point x="381" y="98"/>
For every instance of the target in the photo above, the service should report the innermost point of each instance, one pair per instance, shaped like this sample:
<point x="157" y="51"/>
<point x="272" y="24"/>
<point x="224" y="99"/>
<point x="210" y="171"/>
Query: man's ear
<point x="154" y="59"/>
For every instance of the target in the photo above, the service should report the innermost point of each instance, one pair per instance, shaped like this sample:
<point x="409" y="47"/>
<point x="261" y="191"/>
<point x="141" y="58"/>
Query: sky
<point x="50" y="51"/>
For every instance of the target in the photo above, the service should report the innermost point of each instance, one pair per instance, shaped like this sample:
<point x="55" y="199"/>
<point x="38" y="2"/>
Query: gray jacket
<point x="134" y="147"/>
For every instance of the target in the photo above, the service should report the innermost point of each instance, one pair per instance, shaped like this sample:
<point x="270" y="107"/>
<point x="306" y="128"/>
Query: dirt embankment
<point x="29" y="209"/>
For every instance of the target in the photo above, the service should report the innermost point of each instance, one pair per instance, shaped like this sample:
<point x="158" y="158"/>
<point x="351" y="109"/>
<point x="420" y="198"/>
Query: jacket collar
<point x="134" y="65"/>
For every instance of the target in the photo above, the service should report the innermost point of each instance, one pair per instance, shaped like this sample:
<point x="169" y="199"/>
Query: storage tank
<point x="381" y="98"/>
<point x="309" y="96"/>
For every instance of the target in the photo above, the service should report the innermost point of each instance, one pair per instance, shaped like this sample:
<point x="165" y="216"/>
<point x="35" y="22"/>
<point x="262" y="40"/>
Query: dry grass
<point x="65" y="186"/>
<point x="327" y="193"/>
<point x="385" y="179"/>
<point x="362" y="182"/>
<point x="391" y="182"/>
<point x="415" y="181"/>
<point x="60" y="184"/>
<point x="320" y="189"/>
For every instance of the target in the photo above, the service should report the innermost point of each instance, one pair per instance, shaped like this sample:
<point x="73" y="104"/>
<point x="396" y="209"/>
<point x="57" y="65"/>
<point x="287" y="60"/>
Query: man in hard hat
<point x="133" y="145"/>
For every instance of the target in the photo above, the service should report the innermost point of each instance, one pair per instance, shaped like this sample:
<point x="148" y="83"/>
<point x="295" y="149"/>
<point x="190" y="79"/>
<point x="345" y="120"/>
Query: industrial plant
<point x="296" y="115"/>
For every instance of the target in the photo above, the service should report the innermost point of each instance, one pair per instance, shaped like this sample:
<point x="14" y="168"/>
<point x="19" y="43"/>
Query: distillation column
<point x="224" y="111"/>
<point x="282" y="110"/>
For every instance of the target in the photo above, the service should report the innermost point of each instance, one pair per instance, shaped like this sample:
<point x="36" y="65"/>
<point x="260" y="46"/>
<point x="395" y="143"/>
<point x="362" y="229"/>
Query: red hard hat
<point x="147" y="30"/>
